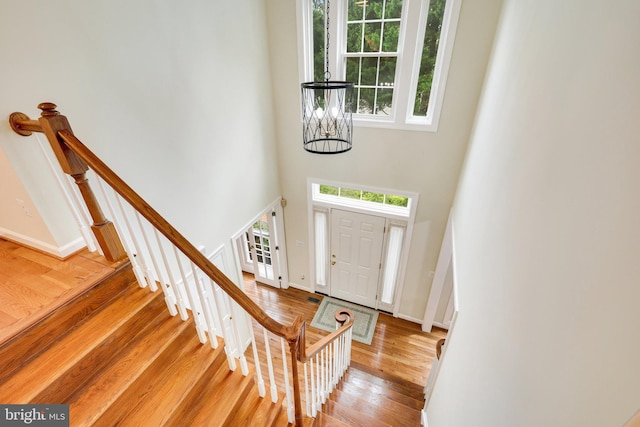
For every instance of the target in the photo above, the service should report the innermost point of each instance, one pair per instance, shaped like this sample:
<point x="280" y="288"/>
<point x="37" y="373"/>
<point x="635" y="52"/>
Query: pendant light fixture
<point x="327" y="106"/>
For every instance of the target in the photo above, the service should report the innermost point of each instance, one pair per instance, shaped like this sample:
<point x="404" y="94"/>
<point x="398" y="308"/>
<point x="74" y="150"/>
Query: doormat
<point x="364" y="323"/>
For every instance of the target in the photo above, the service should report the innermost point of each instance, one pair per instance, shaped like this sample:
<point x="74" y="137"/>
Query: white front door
<point x="356" y="250"/>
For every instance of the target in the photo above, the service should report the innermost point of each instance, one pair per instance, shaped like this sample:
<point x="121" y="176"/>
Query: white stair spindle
<point x="212" y="297"/>
<point x="254" y="348"/>
<point x="153" y="266"/>
<point x="287" y="385"/>
<point x="272" y="380"/>
<point x="194" y="302"/>
<point x="169" y="280"/>
<point x="209" y="316"/>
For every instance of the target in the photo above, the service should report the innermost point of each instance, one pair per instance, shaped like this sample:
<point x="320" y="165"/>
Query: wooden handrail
<point x="174" y="236"/>
<point x="345" y="318"/>
<point x="75" y="158"/>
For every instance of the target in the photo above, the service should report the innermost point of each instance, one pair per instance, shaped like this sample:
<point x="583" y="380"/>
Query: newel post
<point x="50" y="123"/>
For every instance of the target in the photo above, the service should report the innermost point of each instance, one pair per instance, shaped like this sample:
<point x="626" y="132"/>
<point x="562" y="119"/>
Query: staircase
<point x="117" y="357"/>
<point x="372" y="399"/>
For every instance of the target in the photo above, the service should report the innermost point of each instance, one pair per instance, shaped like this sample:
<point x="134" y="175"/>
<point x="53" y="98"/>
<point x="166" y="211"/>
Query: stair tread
<point x="358" y="384"/>
<point x="102" y="357"/>
<point x="379" y="407"/>
<point x="389" y="381"/>
<point x="353" y="417"/>
<point x="256" y="410"/>
<point x="97" y="396"/>
<point x="326" y="420"/>
<point x="221" y="397"/>
<point x="29" y="381"/>
<point x="130" y="381"/>
<point x="28" y="344"/>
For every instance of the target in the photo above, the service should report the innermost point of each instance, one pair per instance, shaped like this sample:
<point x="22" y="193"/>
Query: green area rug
<point x="364" y="324"/>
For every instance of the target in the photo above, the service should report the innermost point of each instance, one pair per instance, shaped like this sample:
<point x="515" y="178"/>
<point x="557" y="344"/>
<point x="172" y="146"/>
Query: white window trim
<point x="402" y="114"/>
<point x="400" y="220"/>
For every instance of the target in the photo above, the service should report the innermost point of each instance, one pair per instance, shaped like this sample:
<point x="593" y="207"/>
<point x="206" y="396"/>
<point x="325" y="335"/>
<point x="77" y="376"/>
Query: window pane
<point x="387" y="71"/>
<point x="393" y="9"/>
<point x="320" y="222"/>
<point x="384" y="102"/>
<point x="391" y="35"/>
<point x="366" y="100"/>
<point x="372" y="37"/>
<point x="350" y="193"/>
<point x="390" y="199"/>
<point x="374" y="9"/>
<point x="392" y="263"/>
<point x="353" y="69"/>
<point x="328" y="189"/>
<point x="372" y="197"/>
<point x="369" y="71"/>
<point x="318" y="40"/>
<point x="354" y="37"/>
<point x="355" y="10"/>
<point x="428" y="60"/>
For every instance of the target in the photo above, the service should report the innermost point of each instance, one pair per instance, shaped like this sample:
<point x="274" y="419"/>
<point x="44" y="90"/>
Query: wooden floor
<point x="399" y="349"/>
<point x="32" y="284"/>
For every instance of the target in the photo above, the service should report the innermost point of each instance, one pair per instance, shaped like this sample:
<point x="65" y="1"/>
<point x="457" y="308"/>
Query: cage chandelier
<point x="327" y="107"/>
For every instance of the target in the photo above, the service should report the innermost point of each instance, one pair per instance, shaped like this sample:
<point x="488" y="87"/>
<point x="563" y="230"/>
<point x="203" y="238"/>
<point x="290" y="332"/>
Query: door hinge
<point x="273" y="213"/>
<point x="277" y="248"/>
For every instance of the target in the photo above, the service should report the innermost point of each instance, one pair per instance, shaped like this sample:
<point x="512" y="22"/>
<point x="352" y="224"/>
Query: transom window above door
<point x="366" y="199"/>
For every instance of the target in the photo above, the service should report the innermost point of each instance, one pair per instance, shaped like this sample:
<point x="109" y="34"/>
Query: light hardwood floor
<point x="33" y="284"/>
<point x="399" y="350"/>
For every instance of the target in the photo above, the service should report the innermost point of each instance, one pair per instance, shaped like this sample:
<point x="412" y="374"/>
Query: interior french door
<point x="355" y="261"/>
<point x="261" y="244"/>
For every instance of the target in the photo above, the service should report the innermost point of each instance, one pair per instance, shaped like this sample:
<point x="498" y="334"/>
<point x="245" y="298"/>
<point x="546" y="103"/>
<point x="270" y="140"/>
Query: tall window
<point x="395" y="51"/>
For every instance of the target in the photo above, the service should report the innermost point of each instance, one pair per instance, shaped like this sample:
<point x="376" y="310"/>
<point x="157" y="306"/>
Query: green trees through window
<point x="367" y="196"/>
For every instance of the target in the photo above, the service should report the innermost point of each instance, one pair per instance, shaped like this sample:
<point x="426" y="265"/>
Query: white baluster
<point x="256" y="358"/>
<point x="235" y="323"/>
<point x="272" y="381"/>
<point x="306" y="390"/>
<point x="170" y="284"/>
<point x="287" y="385"/>
<point x="208" y="315"/>
<point x="196" y="309"/>
<point x="318" y="383"/>
<point x="137" y="271"/>
<point x="77" y="208"/>
<point x="224" y="322"/>
<point x="313" y="389"/>
<point x="153" y="266"/>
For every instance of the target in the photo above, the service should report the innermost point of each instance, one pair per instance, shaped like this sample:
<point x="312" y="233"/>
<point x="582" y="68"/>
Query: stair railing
<point x="160" y="255"/>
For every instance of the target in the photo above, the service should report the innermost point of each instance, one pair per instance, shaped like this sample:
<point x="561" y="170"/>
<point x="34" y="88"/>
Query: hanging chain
<point x="327" y="74"/>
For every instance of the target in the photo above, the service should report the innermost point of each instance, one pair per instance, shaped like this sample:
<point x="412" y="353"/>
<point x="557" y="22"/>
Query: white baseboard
<point x="409" y="318"/>
<point x="301" y="287"/>
<point x="441" y="325"/>
<point x="56" y="251"/>
<point x="423" y="418"/>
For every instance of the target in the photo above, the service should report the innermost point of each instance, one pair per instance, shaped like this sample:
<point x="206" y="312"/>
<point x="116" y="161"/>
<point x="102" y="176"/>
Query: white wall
<point x="547" y="226"/>
<point x="174" y="96"/>
<point x="423" y="162"/>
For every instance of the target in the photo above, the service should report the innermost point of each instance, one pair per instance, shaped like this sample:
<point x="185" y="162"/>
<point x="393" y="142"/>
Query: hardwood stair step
<point x="150" y="399"/>
<point x="31" y="342"/>
<point x="90" y="403"/>
<point x="386" y="380"/>
<point x="326" y="420"/>
<point x="103" y="355"/>
<point x="221" y="398"/>
<point x="352" y="417"/>
<point x="33" y="378"/>
<point x="379" y="407"/>
<point x="359" y="382"/>
<point x="256" y="410"/>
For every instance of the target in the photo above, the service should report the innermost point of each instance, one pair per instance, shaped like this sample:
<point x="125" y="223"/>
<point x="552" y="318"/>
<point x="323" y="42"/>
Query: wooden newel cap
<point x="48" y="109"/>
